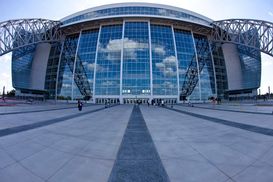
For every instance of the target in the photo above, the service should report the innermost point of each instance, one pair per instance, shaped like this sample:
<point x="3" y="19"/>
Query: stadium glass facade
<point x="128" y="52"/>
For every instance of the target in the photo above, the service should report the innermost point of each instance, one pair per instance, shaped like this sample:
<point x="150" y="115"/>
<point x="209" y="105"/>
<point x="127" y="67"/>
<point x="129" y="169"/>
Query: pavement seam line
<point x="248" y="112"/>
<point x="256" y="160"/>
<point x="246" y="127"/>
<point x="42" y="110"/>
<point x="22" y="128"/>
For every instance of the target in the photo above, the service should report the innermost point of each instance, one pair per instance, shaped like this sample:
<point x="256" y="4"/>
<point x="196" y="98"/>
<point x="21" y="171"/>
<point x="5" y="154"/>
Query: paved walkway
<point x="195" y="149"/>
<point x="266" y="107"/>
<point x="137" y="159"/>
<point x="127" y="143"/>
<point x="261" y="120"/>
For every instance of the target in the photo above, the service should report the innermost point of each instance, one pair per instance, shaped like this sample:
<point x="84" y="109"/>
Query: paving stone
<point x="45" y="163"/>
<point x="5" y="159"/>
<point x="16" y="173"/>
<point x="259" y="171"/>
<point x="84" y="170"/>
<point x="138" y="171"/>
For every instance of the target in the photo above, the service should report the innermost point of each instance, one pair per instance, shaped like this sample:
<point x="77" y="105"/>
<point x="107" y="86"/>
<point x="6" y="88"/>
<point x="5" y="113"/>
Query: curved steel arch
<point x="257" y="34"/>
<point x="15" y="34"/>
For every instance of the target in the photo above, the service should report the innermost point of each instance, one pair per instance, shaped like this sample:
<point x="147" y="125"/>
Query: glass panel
<point x="136" y="59"/>
<point x="108" y="60"/>
<point x="52" y="68"/>
<point x="250" y="61"/>
<point x="21" y="67"/>
<point x="85" y="64"/>
<point x="22" y="62"/>
<point x="186" y="61"/>
<point x="220" y="70"/>
<point x="163" y="61"/>
<point x="64" y="88"/>
<point x="205" y="67"/>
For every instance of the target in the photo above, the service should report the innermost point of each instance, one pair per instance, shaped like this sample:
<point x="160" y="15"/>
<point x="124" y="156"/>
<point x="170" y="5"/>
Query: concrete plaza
<point x="57" y="143"/>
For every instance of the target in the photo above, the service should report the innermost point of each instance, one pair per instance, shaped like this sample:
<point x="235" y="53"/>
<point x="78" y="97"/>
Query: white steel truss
<point x="256" y="34"/>
<point x="15" y="34"/>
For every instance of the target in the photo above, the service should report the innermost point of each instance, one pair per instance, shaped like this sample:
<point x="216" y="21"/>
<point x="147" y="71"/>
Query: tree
<point x="11" y="93"/>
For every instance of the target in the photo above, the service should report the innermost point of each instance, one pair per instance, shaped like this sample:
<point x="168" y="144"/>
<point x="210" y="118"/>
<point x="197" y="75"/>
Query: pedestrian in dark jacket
<point x="79" y="105"/>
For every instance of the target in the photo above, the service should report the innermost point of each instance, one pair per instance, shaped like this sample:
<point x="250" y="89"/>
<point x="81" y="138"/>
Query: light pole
<point x="3" y="94"/>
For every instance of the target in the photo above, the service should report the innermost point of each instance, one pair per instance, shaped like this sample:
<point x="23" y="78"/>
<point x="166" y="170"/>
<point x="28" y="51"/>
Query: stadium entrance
<point x="135" y="101"/>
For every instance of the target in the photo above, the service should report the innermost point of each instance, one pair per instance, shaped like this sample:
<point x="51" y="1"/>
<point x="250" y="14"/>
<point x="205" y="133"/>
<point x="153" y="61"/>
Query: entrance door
<point x="135" y="101"/>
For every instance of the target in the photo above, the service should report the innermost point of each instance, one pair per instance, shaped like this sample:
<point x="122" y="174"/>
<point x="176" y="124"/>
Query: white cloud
<point x="171" y="60"/>
<point x="66" y="85"/>
<point x="113" y="45"/>
<point x="131" y="44"/>
<point x="270" y="13"/>
<point x="91" y="67"/>
<point x="67" y="77"/>
<point x="113" y="48"/>
<point x="5" y="75"/>
<point x="267" y="62"/>
<point x="90" y="81"/>
<point x="162" y="11"/>
<point x="108" y="83"/>
<point x="160" y="65"/>
<point x="5" y="80"/>
<point x="167" y="66"/>
<point x="5" y="70"/>
<point x="5" y="58"/>
<point x="267" y="79"/>
<point x="159" y="50"/>
<point x="182" y="71"/>
<point x="170" y="72"/>
<point x="167" y="84"/>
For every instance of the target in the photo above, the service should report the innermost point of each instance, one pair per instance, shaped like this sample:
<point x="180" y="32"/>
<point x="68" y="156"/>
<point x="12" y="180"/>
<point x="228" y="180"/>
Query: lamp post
<point x="268" y="92"/>
<point x="3" y="94"/>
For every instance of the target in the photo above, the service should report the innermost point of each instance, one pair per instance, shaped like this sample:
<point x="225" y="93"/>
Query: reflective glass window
<point x="205" y="66"/>
<point x="250" y="60"/>
<point x="187" y="65"/>
<point x="136" y="59"/>
<point x="163" y="60"/>
<point x="108" y="60"/>
<point x="64" y="87"/>
<point x="85" y="64"/>
<point x="22" y="62"/>
<point x="52" y="69"/>
<point x="21" y="67"/>
<point x="220" y="70"/>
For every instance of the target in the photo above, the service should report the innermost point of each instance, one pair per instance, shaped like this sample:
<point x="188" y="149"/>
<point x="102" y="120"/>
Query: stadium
<point x="136" y="52"/>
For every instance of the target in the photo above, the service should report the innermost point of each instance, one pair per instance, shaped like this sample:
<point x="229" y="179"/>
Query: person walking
<point x="79" y="105"/>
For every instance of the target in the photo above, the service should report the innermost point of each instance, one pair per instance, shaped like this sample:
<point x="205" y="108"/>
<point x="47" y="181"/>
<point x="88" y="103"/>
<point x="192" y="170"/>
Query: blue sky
<point x="214" y="9"/>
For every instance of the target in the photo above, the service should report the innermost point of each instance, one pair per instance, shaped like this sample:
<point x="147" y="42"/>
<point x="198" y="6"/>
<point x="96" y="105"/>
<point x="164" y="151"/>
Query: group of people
<point x="158" y="103"/>
<point x="215" y="100"/>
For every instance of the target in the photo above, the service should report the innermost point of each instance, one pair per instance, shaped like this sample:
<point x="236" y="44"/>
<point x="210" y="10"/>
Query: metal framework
<point x="256" y="34"/>
<point x="15" y="34"/>
<point x="80" y="76"/>
<point x="191" y="76"/>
